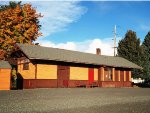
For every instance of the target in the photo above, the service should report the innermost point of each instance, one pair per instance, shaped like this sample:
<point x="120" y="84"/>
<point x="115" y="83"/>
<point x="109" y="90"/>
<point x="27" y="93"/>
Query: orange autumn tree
<point x="18" y="24"/>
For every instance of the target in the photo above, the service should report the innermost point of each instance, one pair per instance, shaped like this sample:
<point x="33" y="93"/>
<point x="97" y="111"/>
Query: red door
<point x="91" y="75"/>
<point x="62" y="76"/>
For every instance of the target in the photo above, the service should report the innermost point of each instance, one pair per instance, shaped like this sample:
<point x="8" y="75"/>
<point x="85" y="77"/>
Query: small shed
<point x="5" y="75"/>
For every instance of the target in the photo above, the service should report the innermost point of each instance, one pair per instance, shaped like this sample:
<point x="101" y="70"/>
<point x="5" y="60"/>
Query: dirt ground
<point x="76" y="100"/>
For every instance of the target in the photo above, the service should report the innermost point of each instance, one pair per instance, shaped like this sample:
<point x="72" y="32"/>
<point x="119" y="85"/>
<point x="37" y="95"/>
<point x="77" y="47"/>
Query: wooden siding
<point x="46" y="71"/>
<point x="91" y="75"/>
<point x="113" y="74"/>
<point x="63" y="75"/>
<point x="78" y="83"/>
<point x="46" y="75"/>
<point x="108" y="74"/>
<point x="127" y="76"/>
<point x="101" y="74"/>
<point x="5" y="76"/>
<point x="39" y="83"/>
<point x="124" y="75"/>
<point x="130" y="74"/>
<point x="115" y="84"/>
<point x="27" y="74"/>
<point x="95" y="74"/>
<point x="117" y="75"/>
<point x="78" y="73"/>
<point x="121" y="75"/>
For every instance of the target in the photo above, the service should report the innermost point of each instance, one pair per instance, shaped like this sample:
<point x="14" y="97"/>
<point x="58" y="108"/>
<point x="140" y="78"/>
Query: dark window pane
<point x="26" y="66"/>
<point x="108" y="73"/>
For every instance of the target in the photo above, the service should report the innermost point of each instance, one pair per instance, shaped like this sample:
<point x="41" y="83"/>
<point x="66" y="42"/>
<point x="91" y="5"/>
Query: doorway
<point x="62" y="76"/>
<point x="91" y="75"/>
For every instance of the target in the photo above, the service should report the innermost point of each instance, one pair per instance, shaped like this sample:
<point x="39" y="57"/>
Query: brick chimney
<point x="98" y="51"/>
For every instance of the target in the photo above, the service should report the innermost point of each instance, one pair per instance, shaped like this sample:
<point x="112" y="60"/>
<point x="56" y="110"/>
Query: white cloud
<point x="106" y="47"/>
<point x="145" y="27"/>
<point x="88" y="46"/>
<point x="67" y="45"/>
<point x="57" y="14"/>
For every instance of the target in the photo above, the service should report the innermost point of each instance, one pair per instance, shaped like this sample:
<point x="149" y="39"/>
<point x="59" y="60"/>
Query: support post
<point x="130" y="76"/>
<point x="118" y="75"/>
<point x="102" y="73"/>
<point x="124" y="75"/>
<point x="113" y="74"/>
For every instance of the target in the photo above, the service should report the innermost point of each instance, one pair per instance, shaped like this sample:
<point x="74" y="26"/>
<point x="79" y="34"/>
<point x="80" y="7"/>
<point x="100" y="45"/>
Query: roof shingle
<point x="5" y="64"/>
<point x="49" y="53"/>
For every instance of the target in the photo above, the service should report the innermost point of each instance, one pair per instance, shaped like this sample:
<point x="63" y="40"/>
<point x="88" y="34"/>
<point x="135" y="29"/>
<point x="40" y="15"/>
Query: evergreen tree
<point x="146" y="58"/>
<point x="129" y="48"/>
<point x="12" y="4"/>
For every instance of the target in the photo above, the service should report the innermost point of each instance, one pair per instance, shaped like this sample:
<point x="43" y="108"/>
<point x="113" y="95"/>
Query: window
<point x="108" y="73"/>
<point x="26" y="64"/>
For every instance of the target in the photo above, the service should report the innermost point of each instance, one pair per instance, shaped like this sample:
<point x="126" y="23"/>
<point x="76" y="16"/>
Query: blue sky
<point x="100" y="17"/>
<point x="86" y="25"/>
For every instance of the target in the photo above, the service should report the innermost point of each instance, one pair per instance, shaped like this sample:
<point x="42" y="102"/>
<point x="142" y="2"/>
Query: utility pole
<point x="115" y="40"/>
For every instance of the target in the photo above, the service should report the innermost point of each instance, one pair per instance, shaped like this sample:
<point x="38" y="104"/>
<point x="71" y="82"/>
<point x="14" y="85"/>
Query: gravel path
<point x="76" y="100"/>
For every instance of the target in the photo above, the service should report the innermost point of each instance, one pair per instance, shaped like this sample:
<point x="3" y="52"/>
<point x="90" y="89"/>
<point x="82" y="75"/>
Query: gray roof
<point x="49" y="53"/>
<point x="5" y="64"/>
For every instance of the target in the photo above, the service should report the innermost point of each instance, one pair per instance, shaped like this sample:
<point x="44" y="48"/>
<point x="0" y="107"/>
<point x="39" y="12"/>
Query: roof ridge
<point x="67" y="50"/>
<point x="57" y="54"/>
